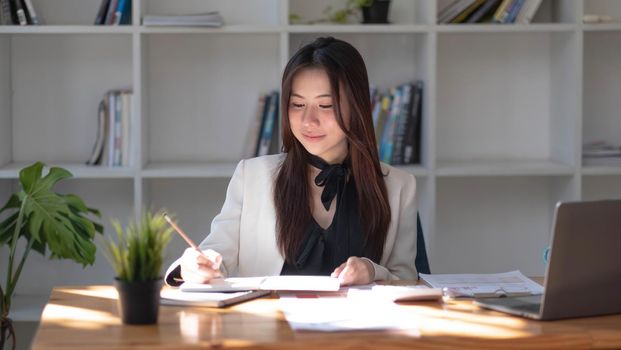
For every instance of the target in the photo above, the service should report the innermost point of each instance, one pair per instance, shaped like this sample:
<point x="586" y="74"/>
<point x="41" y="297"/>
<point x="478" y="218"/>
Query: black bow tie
<point x="331" y="178"/>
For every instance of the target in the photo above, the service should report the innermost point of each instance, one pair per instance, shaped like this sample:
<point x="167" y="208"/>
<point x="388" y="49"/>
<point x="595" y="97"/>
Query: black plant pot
<point x="377" y="12"/>
<point x="139" y="302"/>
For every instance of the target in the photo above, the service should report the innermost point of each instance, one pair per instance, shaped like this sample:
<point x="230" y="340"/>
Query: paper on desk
<point x="484" y="285"/>
<point x="333" y="314"/>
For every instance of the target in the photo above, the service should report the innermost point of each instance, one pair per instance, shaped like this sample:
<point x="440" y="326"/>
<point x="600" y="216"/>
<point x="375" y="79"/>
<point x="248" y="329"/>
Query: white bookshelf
<point x="506" y="110"/>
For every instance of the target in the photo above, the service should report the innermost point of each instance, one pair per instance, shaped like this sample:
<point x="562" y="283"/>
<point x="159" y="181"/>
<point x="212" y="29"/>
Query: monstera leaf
<point x="45" y="220"/>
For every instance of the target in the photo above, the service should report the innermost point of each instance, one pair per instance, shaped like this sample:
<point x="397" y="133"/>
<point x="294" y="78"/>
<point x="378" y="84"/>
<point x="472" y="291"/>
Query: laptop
<point x="583" y="276"/>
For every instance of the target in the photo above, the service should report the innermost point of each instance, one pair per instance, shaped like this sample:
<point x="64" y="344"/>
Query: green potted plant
<point x="44" y="220"/>
<point x="136" y="257"/>
<point x="373" y="11"/>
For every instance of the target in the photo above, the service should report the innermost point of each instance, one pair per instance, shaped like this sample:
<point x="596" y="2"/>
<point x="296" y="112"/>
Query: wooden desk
<point x="86" y="318"/>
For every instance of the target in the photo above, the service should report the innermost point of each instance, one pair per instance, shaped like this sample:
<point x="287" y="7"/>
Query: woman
<point x="325" y="206"/>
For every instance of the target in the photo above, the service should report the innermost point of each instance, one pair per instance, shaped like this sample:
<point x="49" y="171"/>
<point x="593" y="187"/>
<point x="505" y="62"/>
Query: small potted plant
<point x="373" y="12"/>
<point x="136" y="257"/>
<point x="44" y="220"/>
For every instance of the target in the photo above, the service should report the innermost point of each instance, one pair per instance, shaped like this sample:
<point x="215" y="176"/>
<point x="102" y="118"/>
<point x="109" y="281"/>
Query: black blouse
<point x="323" y="250"/>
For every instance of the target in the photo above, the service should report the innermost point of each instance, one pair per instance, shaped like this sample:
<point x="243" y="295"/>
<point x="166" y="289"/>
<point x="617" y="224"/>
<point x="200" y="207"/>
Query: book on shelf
<point x="126" y="107"/>
<point x="209" y="19"/>
<point x="101" y="13"/>
<point x="31" y="13"/>
<point x="20" y="13"/>
<point x="113" y="138"/>
<point x="453" y="9"/>
<point x="262" y="137"/>
<point x="114" y="12"/>
<point x="268" y="134"/>
<point x="111" y="11"/>
<point x="528" y="11"/>
<point x="13" y="12"/>
<point x="382" y="112"/>
<point x="5" y="13"/>
<point x="121" y="9"/>
<point x="397" y="123"/>
<point x="501" y="11"/>
<point x="484" y="13"/>
<point x="387" y="143"/>
<point x="402" y="119"/>
<point x="96" y="153"/>
<point x="463" y="15"/>
<point x="510" y="10"/>
<point x="513" y="11"/>
<point x="411" y="147"/>
<point x="252" y="136"/>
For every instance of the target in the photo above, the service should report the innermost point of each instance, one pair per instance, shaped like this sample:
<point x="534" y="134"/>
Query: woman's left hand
<point x="354" y="271"/>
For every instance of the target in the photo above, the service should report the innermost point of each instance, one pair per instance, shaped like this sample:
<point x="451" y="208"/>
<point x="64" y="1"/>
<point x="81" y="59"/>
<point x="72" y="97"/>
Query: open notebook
<point x="177" y="297"/>
<point x="302" y="283"/>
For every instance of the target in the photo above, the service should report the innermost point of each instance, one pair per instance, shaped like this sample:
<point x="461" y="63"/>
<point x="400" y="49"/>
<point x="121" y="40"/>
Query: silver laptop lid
<point x="583" y="277"/>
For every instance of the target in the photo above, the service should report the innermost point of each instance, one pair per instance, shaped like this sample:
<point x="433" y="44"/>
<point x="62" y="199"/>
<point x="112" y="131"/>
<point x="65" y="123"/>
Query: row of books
<point x="114" y="12"/>
<point x="496" y="11"/>
<point x="209" y="19"/>
<point x="18" y="12"/>
<point x="112" y="145"/>
<point x="263" y="137"/>
<point x="397" y="119"/>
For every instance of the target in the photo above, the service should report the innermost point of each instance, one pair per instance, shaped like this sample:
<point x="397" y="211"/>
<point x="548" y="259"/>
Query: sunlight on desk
<point x="464" y="322"/>
<point x="93" y="291"/>
<point x="83" y="314"/>
<point x="78" y="317"/>
<point x="206" y="329"/>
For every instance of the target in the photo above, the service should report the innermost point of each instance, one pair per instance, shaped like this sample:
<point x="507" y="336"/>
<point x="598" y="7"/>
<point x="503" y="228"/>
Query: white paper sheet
<point x="345" y="314"/>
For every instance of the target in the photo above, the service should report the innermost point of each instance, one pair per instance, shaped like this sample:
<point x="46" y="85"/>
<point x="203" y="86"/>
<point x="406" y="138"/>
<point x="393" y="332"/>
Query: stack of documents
<point x="512" y="283"/>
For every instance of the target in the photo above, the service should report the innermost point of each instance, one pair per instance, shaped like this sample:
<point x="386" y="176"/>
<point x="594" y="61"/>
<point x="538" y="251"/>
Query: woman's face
<point x="312" y="115"/>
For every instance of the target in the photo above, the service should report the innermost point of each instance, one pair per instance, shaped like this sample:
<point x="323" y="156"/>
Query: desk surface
<point x="86" y="317"/>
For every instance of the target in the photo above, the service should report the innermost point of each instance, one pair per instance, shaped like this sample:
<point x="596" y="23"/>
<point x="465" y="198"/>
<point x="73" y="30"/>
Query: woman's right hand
<point x="200" y="268"/>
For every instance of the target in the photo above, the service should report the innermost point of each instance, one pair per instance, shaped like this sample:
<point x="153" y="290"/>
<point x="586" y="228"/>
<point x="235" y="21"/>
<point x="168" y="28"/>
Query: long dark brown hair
<point x="346" y="69"/>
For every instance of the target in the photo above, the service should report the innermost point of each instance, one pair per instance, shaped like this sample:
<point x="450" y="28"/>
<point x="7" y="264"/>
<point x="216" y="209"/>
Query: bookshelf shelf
<point x="79" y="171"/>
<point x="188" y="169"/>
<point x="506" y="109"/>
<point x="240" y="29"/>
<point x="416" y="170"/>
<point x="66" y="29"/>
<point x="502" y="168"/>
<point x="502" y="28"/>
<point x="359" y="28"/>
<point x="603" y="27"/>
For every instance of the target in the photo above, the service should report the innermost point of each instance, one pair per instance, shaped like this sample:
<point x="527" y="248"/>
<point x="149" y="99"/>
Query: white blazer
<point x="244" y="232"/>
